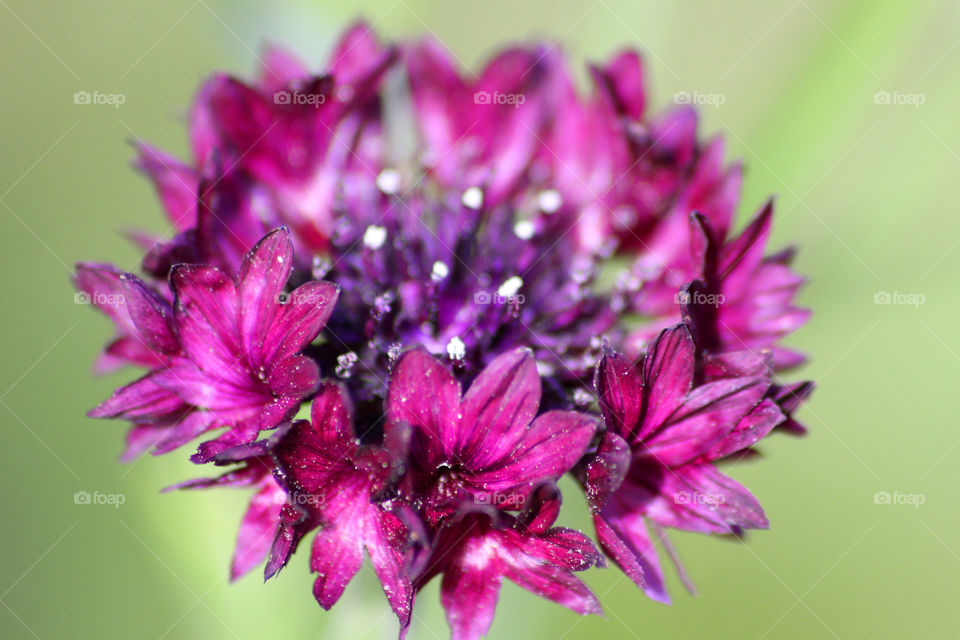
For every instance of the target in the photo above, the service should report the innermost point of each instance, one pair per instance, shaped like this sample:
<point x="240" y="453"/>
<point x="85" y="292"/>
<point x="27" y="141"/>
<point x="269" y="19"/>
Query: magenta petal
<point x="262" y="278"/>
<point x="385" y="535"/>
<point x="700" y="498"/>
<point x="205" y="311"/>
<point x="710" y="412"/>
<point x="194" y="386"/>
<point x="469" y="595"/>
<point x="143" y="399"/>
<point x="668" y="374"/>
<point x="434" y="86"/>
<point x="299" y="320"/>
<point x="620" y="391"/>
<point x="184" y="430"/>
<point x="257" y="529"/>
<point x="606" y="469"/>
<point x="337" y="551"/>
<point x="744" y="254"/>
<point x="752" y="428"/>
<point x="497" y="409"/>
<point x="176" y="184"/>
<point x="280" y="68"/>
<point x="624" y="79"/>
<point x="140" y="439"/>
<point x="566" y="548"/>
<point x="425" y="395"/>
<point x="314" y="454"/>
<point x="355" y="53"/>
<point x="294" y="524"/>
<point x="552" y="444"/>
<point x="556" y="584"/>
<point x="296" y="376"/>
<point x="623" y="537"/>
<point x="240" y="434"/>
<point x="151" y="315"/>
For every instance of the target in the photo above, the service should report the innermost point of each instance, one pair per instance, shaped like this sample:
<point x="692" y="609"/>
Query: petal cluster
<point x="399" y="301"/>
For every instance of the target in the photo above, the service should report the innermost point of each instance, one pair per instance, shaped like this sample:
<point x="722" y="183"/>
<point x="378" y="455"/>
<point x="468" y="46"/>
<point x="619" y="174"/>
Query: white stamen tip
<point x="440" y="271"/>
<point x="549" y="201"/>
<point x="472" y="198"/>
<point x="388" y="181"/>
<point x="524" y="229"/>
<point x="509" y="288"/>
<point x="374" y="236"/>
<point x="456" y="349"/>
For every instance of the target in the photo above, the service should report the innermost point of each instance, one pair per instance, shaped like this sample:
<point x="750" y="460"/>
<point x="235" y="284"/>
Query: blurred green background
<point x="867" y="189"/>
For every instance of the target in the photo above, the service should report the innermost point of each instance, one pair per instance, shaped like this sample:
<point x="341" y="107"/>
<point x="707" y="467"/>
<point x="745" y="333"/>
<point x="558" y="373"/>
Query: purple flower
<point x="655" y="462"/>
<point x="337" y="483"/>
<point x="480" y="546"/>
<point x="451" y="238"/>
<point x="230" y="349"/>
<point x="488" y="447"/>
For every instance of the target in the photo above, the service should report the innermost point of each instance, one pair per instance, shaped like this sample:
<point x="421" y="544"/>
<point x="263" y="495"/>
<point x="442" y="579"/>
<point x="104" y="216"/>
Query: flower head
<point x="473" y="263"/>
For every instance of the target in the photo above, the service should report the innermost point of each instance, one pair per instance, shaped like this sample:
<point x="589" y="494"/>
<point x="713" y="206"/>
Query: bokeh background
<point x="866" y="186"/>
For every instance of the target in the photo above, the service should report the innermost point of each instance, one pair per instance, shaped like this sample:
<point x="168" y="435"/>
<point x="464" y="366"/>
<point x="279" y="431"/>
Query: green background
<point x="867" y="190"/>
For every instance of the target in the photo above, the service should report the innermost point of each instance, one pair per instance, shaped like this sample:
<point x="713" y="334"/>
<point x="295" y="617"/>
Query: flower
<point x="656" y="461"/>
<point x="410" y="230"/>
<point x="230" y="349"/>
<point x="487" y="447"/>
<point x="336" y="483"/>
<point x="480" y="546"/>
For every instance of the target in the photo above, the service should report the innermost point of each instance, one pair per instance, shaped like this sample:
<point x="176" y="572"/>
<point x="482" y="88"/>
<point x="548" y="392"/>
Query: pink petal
<point x="620" y="391"/>
<point x="257" y="529"/>
<point x="262" y="278"/>
<point x="469" y="593"/>
<point x="205" y="312"/>
<point x="337" y="551"/>
<point x="552" y="444"/>
<point x="623" y="536"/>
<point x="176" y="184"/>
<point x="425" y="395"/>
<point x="143" y="399"/>
<point x="707" y="416"/>
<point x="300" y="319"/>
<point x="667" y="375"/>
<point x="700" y="498"/>
<point x="497" y="409"/>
